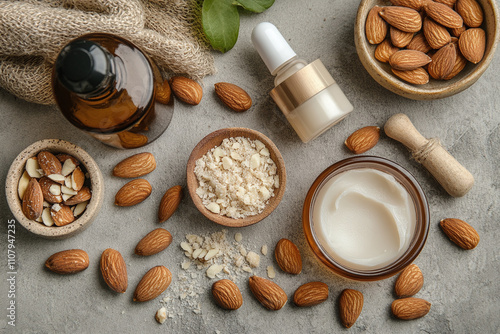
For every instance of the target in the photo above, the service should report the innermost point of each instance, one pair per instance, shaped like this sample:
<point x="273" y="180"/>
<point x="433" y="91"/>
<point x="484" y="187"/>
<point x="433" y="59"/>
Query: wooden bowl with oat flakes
<point x="232" y="171"/>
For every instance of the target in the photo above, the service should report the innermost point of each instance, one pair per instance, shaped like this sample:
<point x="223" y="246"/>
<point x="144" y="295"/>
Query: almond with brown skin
<point x="443" y="62"/>
<point x="435" y="34"/>
<point x="49" y="163"/>
<point x="68" y="261"/>
<point x="268" y="293"/>
<point x="45" y="185"/>
<point x="385" y="50"/>
<point x="62" y="216"/>
<point x="186" y="90"/>
<point x="350" y="306"/>
<point x="409" y="282"/>
<point x="32" y="205"/>
<point x="460" y="63"/>
<point x="461" y="233"/>
<point x="410" y="308"/>
<point x="114" y="270"/>
<point x="227" y="294"/>
<point x="154" y="242"/>
<point x="400" y="38"/>
<point x="402" y="18"/>
<point x="417" y="76"/>
<point x="62" y="157"/>
<point x="77" y="179"/>
<point x="163" y="92"/>
<point x="152" y="284"/>
<point x="415" y="4"/>
<point x="375" y="27"/>
<point x="288" y="257"/>
<point x="233" y="96"/>
<point x="471" y="12"/>
<point x="82" y="195"/>
<point x="449" y="3"/>
<point x="406" y="60"/>
<point x="136" y="165"/>
<point x="443" y="15"/>
<point x="419" y="43"/>
<point x="133" y="193"/>
<point x="363" y="139"/>
<point x="309" y="294"/>
<point x="457" y="31"/>
<point x="472" y="44"/>
<point x="132" y="140"/>
<point x="169" y="203"/>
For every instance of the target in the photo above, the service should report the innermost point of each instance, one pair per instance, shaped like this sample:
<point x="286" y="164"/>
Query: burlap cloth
<point x="32" y="32"/>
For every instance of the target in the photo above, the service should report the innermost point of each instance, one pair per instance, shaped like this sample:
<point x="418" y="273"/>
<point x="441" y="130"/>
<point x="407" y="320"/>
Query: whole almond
<point x="152" y="284"/>
<point x="233" y="96"/>
<point x="45" y="184"/>
<point x="406" y="60"/>
<point x="375" y="27"/>
<point x="435" y="34"/>
<point x="409" y="282"/>
<point x="288" y="257"/>
<point x="49" y="163"/>
<point x="400" y="38"/>
<point x="32" y="204"/>
<point x="385" y="50"/>
<point x="410" y="308"/>
<point x="350" y="306"/>
<point x="419" y="43"/>
<point x="471" y="12"/>
<point x="268" y="293"/>
<point x="154" y="242"/>
<point x="460" y="63"/>
<point x="136" y="165"/>
<point x="82" y="195"/>
<point x="186" y="90"/>
<point x="443" y="14"/>
<point x="417" y="76"/>
<point x="309" y="294"/>
<point x="114" y="270"/>
<point x="363" y="139"/>
<point x="132" y="140"/>
<point x="472" y="43"/>
<point x="62" y="216"/>
<point x="77" y="179"/>
<point x="133" y="193"/>
<point x="163" y="92"/>
<point x="449" y="3"/>
<point x="169" y="203"/>
<point x="443" y="62"/>
<point x="415" y="4"/>
<point x="68" y="261"/>
<point x="227" y="294"/>
<point x="461" y="233"/>
<point x="402" y="18"/>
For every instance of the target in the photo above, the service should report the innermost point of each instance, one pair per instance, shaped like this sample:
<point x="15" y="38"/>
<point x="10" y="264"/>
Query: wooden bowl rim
<point x="215" y="139"/>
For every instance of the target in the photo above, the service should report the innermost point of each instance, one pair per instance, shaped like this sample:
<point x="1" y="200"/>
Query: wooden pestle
<point x="454" y="178"/>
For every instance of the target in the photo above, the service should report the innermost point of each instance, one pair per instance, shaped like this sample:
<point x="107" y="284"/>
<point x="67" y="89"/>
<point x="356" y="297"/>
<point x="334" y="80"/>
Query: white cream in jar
<point x="364" y="218"/>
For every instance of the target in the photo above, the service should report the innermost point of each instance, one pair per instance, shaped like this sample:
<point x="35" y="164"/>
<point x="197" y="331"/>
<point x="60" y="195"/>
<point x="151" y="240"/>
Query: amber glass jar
<point x="417" y="238"/>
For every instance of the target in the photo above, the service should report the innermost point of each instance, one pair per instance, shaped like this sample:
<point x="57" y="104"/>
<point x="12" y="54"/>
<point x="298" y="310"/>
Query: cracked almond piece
<point x="363" y="139"/>
<point x="81" y="196"/>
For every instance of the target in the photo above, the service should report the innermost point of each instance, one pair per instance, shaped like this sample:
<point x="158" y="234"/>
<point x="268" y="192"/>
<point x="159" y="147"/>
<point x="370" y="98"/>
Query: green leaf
<point x="256" y="6"/>
<point x="221" y="23"/>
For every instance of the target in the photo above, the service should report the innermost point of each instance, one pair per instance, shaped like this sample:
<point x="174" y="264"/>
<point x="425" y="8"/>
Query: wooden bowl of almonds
<point x="424" y="49"/>
<point x="236" y="176"/>
<point x="54" y="189"/>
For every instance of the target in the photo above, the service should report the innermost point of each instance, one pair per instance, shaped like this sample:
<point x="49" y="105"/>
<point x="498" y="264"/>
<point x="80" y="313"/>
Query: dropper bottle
<point x="307" y="94"/>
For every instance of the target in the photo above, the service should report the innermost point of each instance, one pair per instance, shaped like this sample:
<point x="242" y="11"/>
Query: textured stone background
<point x="463" y="286"/>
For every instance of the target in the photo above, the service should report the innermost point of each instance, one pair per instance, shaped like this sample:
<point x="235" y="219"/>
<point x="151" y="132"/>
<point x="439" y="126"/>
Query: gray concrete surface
<point x="462" y="286"/>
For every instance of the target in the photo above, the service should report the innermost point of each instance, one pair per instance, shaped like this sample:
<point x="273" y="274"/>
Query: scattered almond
<point x="114" y="270"/>
<point x="227" y="295"/>
<point x="472" y="44"/>
<point x="163" y="92"/>
<point x="233" y="96"/>
<point x="350" y="306"/>
<point x="152" y="284"/>
<point x="133" y="193"/>
<point x="417" y="76"/>
<point x="410" y="308"/>
<point x="402" y="18"/>
<point x="309" y="294"/>
<point x="136" y="165"/>
<point x="375" y="27"/>
<point x="385" y="50"/>
<point x="409" y="282"/>
<point x="268" y="293"/>
<point x="161" y="315"/>
<point x="288" y="257"/>
<point x="154" y="242"/>
<point x="186" y="90"/>
<point x="32" y="204"/>
<point x="460" y="233"/>
<point x="169" y="203"/>
<point x="363" y="139"/>
<point x="68" y="262"/>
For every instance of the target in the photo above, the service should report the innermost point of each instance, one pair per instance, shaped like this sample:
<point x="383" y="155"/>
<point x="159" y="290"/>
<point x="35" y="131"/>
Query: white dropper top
<point x="271" y="46"/>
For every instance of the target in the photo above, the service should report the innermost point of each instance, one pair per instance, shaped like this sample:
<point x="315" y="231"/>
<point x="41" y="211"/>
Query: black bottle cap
<point x="84" y="66"/>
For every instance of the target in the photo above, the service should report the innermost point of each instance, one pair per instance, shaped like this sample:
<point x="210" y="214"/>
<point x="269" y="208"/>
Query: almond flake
<point x="263" y="250"/>
<point x="65" y="197"/>
<point x="253" y="259"/>
<point x="238" y="237"/>
<point x="212" y="253"/>
<point x="213" y="270"/>
<point x="270" y="272"/>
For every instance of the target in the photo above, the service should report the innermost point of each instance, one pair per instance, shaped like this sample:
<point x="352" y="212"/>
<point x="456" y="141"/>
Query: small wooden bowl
<point x="96" y="186"/>
<point x="435" y="89"/>
<point x="215" y="139"/>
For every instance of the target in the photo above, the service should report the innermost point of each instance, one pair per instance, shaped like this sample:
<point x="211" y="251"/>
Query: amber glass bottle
<point x="106" y="86"/>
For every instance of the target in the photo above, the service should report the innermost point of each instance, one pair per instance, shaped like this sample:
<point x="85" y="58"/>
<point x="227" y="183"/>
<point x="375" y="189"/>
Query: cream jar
<point x="366" y="218"/>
